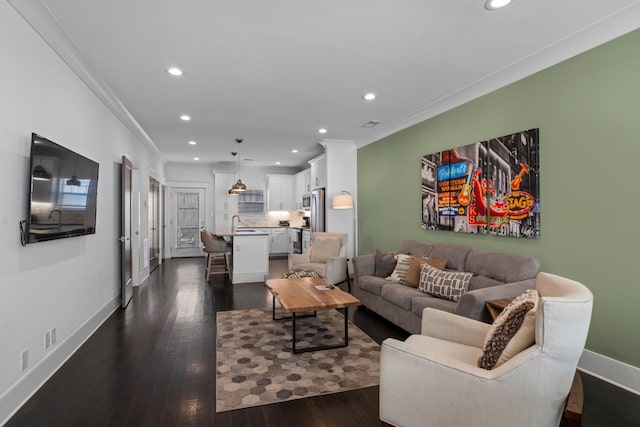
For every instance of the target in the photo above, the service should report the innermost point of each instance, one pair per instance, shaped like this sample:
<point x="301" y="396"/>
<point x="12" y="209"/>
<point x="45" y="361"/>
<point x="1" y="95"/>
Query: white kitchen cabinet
<point x="223" y="222"/>
<point x="279" y="241"/>
<point x="225" y="205"/>
<point x="223" y="201"/>
<point x="318" y="172"/>
<point x="306" y="241"/>
<point x="280" y="192"/>
<point x="302" y="186"/>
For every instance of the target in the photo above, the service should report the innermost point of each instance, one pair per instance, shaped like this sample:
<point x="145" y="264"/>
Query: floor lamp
<point x="344" y="200"/>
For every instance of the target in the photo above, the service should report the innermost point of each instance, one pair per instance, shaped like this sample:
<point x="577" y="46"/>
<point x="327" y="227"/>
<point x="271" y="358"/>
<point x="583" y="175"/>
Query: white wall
<point x="342" y="175"/>
<point x="70" y="284"/>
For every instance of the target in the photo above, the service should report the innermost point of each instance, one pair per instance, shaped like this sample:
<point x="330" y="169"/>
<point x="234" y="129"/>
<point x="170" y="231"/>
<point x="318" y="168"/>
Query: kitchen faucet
<point x="59" y="217"/>
<point x="233" y="218"/>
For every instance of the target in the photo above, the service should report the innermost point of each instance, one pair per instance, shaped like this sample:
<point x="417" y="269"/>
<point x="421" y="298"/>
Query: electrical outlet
<point x="47" y="340"/>
<point x="53" y="336"/>
<point x="24" y="360"/>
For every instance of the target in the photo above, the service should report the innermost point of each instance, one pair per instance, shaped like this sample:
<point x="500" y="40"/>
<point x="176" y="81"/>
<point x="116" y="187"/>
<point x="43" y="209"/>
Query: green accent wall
<point x="588" y="112"/>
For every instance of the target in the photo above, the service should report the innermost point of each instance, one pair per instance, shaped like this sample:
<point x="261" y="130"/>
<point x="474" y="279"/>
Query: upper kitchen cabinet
<point x="302" y="186"/>
<point x="280" y="192"/>
<point x="318" y="172"/>
<point x="222" y="199"/>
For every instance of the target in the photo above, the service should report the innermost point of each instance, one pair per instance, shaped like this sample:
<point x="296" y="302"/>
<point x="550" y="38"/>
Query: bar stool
<point x="216" y="249"/>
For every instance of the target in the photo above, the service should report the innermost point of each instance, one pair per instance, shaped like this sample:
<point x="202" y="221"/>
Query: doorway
<point x="188" y="220"/>
<point x="126" y="258"/>
<point x="155" y="202"/>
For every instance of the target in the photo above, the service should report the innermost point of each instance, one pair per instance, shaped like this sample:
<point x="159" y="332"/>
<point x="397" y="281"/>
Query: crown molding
<point x="606" y="29"/>
<point x="39" y="17"/>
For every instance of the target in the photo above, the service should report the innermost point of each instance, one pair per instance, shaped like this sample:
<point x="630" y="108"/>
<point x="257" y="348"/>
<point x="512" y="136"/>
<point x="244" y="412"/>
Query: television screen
<point x="64" y="189"/>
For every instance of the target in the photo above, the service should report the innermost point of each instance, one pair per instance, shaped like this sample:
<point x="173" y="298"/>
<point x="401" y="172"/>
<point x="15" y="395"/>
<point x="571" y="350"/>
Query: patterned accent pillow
<point x="505" y="328"/>
<point x="298" y="273"/>
<point x="443" y="284"/>
<point x="413" y="275"/>
<point x="402" y="267"/>
<point x="385" y="263"/>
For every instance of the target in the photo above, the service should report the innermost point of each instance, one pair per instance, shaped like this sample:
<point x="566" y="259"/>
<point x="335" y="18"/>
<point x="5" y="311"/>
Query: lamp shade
<point x="342" y="201"/>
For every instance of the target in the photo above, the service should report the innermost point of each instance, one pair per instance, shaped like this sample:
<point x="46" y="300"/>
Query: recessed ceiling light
<point x="496" y="4"/>
<point x="322" y="130"/>
<point x="196" y="158"/>
<point x="174" y="71"/>
<point x="294" y="151"/>
<point x="369" y="96"/>
<point x="185" y="118"/>
<point x="192" y="143"/>
<point x="277" y="163"/>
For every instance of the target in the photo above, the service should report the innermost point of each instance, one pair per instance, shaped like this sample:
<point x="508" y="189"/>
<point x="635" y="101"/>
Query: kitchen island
<point x="250" y="255"/>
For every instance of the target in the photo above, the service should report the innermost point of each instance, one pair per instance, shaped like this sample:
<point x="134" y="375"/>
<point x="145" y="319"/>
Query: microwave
<point x="306" y="201"/>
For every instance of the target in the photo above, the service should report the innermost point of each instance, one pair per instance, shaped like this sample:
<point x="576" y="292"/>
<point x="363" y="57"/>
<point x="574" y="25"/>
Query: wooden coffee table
<point x="301" y="296"/>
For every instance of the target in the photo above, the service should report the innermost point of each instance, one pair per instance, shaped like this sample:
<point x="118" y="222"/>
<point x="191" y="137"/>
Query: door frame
<point x="126" y="232"/>
<point x="171" y="216"/>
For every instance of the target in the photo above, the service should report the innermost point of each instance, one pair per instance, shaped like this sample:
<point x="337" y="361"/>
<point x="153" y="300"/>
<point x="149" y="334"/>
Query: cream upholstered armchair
<point x="433" y="379"/>
<point x="327" y="256"/>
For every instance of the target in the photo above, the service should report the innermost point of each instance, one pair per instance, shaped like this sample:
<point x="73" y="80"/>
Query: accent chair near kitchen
<point x="327" y="256"/>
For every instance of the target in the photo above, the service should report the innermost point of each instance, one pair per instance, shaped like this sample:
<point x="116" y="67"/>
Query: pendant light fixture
<point x="74" y="179"/>
<point x="40" y="173"/>
<point x="239" y="186"/>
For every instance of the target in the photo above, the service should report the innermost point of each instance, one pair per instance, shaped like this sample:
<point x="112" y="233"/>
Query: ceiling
<point x="274" y="72"/>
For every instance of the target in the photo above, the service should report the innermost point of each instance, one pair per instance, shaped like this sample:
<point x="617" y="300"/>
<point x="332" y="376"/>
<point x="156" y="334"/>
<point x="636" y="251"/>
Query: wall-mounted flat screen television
<point x="63" y="191"/>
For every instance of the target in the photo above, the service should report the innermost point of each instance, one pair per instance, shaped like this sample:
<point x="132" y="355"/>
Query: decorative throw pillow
<point x="298" y="273"/>
<point x="413" y="275"/>
<point x="324" y="248"/>
<point x="399" y="273"/>
<point x="385" y="263"/>
<point x="443" y="284"/>
<point x="505" y="328"/>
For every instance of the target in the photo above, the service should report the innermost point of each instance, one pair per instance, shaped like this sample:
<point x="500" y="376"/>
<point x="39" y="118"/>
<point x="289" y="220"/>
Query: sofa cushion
<point x="415" y="248"/>
<point x="402" y="267"/>
<point x="505" y="327"/>
<point x="399" y="295"/>
<point x="372" y="284"/>
<point x="324" y="248"/>
<point x="456" y="255"/>
<point x="385" y="263"/>
<point x="480" y="282"/>
<point x="413" y="275"/>
<point x="500" y="266"/>
<point x="418" y="304"/>
<point x="444" y="284"/>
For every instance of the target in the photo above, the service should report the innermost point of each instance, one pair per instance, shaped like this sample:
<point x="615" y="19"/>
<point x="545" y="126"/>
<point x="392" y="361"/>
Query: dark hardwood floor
<point x="153" y="364"/>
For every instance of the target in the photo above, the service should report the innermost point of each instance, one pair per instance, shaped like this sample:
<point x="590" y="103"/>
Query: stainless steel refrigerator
<point x="318" y="210"/>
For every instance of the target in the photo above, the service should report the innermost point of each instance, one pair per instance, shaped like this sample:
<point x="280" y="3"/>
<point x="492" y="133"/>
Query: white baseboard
<point x="610" y="370"/>
<point x="31" y="382"/>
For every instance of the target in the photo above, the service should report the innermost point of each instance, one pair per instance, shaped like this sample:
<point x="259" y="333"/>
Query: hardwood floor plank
<point x="153" y="364"/>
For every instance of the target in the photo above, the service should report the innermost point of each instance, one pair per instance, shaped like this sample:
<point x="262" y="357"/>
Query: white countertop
<point x="242" y="232"/>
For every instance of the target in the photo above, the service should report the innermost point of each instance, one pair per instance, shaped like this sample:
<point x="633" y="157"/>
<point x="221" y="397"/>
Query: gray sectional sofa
<point x="496" y="275"/>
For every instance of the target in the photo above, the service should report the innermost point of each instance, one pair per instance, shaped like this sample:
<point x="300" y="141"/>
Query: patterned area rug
<point x="255" y="365"/>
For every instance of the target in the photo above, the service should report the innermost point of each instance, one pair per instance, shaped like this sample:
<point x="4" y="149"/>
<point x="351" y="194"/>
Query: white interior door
<point x="188" y="220"/>
<point x="126" y="259"/>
